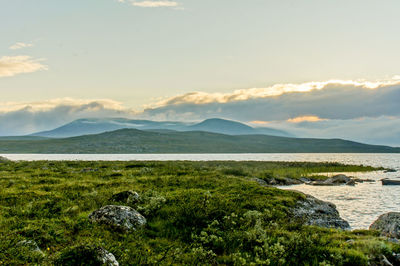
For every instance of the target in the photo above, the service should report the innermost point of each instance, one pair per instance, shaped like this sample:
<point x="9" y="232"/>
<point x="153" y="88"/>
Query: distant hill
<point x="229" y="127"/>
<point x="95" y="126"/>
<point x="164" y="141"/>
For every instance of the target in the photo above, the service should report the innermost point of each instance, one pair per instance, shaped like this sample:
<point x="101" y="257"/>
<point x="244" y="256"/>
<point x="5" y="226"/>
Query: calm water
<point x="359" y="205"/>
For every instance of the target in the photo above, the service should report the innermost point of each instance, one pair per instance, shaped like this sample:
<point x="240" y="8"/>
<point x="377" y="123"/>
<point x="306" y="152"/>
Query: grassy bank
<point x="197" y="213"/>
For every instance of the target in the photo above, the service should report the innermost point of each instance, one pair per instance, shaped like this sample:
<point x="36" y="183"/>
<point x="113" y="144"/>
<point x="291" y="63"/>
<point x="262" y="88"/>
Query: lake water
<point x="359" y="205"/>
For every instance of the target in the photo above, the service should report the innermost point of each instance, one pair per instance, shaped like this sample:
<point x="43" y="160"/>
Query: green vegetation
<point x="197" y="213"/>
<point x="136" y="141"/>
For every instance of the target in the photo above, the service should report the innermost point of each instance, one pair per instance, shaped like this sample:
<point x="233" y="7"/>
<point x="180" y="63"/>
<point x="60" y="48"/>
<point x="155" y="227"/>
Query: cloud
<point x="259" y="123"/>
<point x="306" y="118"/>
<point x="360" y="111"/>
<point x="21" y="118"/>
<point x="153" y="4"/>
<point x="14" y="65"/>
<point x="272" y="91"/>
<point x="328" y="100"/>
<point x="20" y="45"/>
<point x="384" y="130"/>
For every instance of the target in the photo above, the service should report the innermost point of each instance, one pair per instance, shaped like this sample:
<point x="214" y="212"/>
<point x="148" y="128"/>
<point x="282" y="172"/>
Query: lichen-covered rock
<point x="106" y="257"/>
<point x="122" y="217"/>
<point x="129" y="197"/>
<point x="312" y="211"/>
<point x="388" y="224"/>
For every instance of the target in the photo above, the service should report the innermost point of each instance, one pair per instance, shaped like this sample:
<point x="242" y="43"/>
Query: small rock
<point x="87" y="255"/>
<point x="129" y="197"/>
<point x="259" y="181"/>
<point x="358" y="180"/>
<point x="390" y="171"/>
<point x="122" y="217"/>
<point x="339" y="179"/>
<point x="350" y="241"/>
<point x="388" y="224"/>
<point x="106" y="257"/>
<point x="31" y="245"/>
<point x="87" y="170"/>
<point x="305" y="180"/>
<point x="291" y="181"/>
<point x="352" y="182"/>
<point x="313" y="211"/>
<point x="272" y="182"/>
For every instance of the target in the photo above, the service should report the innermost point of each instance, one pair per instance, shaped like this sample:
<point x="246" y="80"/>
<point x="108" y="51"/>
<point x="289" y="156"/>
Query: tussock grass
<point x="197" y="213"/>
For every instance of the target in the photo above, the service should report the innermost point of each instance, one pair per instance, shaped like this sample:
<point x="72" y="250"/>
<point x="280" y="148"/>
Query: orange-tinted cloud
<point x="306" y="118"/>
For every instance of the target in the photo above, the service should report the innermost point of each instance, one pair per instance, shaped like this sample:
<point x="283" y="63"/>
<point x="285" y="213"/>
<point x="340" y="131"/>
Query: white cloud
<point x="13" y="65"/>
<point x="20" y="45"/>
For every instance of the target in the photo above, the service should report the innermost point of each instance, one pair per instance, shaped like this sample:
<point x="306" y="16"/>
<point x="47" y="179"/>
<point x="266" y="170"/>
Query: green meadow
<point x="197" y="213"/>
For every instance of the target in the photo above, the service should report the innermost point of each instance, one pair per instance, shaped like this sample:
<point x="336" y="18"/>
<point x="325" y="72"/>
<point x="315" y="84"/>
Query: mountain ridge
<point x="131" y="141"/>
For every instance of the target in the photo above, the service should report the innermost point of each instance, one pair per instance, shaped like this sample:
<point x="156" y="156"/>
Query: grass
<point x="197" y="213"/>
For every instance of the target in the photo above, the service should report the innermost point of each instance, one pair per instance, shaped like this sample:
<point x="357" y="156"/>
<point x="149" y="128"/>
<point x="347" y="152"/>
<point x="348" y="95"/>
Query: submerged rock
<point x="123" y="217"/>
<point x="129" y="197"/>
<point x="388" y="224"/>
<point x="312" y="211"/>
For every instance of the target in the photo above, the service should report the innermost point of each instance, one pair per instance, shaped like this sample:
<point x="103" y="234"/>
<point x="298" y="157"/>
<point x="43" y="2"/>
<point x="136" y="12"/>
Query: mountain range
<point x="95" y="126"/>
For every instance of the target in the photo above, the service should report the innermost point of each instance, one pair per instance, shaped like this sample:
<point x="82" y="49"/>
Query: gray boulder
<point x="312" y="211"/>
<point x="388" y="224"/>
<point x="334" y="181"/>
<point x="123" y="217"/>
<point x="129" y="197"/>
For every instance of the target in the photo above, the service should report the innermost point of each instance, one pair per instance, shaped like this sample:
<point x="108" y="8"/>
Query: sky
<point x="317" y="68"/>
